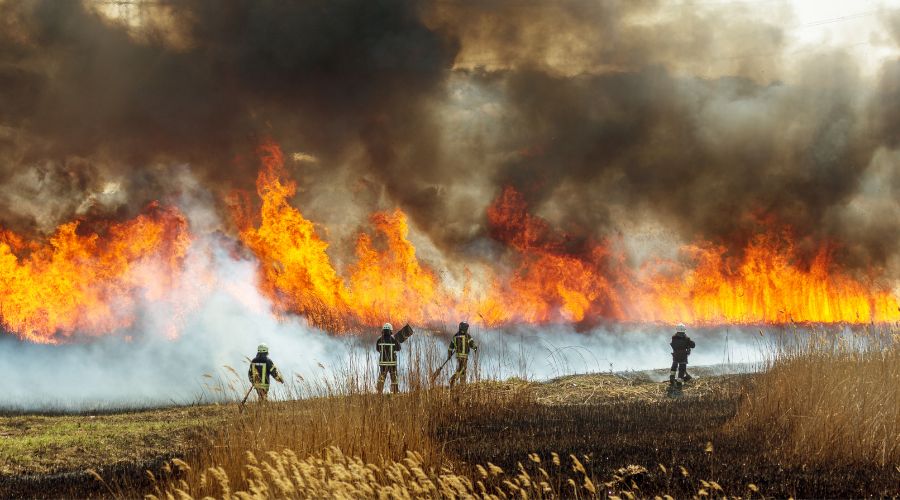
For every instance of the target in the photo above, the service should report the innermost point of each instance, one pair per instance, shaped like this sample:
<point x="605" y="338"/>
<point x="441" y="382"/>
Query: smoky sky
<point x="700" y="120"/>
<point x="322" y="74"/>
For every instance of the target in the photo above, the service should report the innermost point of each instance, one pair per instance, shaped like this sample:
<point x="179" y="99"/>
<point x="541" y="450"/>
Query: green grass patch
<point x="33" y="444"/>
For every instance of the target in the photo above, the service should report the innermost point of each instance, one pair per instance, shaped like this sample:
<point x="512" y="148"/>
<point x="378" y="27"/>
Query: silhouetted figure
<point x="681" y="349"/>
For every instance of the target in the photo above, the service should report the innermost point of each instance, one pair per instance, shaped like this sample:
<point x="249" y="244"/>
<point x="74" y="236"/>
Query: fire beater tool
<point x="404" y="333"/>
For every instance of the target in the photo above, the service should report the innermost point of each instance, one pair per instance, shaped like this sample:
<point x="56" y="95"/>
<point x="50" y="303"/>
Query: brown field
<point x="821" y="421"/>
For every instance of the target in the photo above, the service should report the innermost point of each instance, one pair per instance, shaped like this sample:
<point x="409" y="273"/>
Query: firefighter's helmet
<point x="387" y="327"/>
<point x="464" y="327"/>
<point x="680" y="328"/>
<point x="262" y="349"/>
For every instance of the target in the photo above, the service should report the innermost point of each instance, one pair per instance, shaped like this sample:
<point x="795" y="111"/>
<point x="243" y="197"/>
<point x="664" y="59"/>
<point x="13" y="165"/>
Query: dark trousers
<point x="679" y="368"/>
<point x="384" y="372"/>
<point x="460" y="374"/>
<point x="262" y="393"/>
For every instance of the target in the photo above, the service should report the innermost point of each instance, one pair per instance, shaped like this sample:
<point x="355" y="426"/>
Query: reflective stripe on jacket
<point x="461" y="345"/>
<point x="387" y="348"/>
<point x="260" y="375"/>
<point x="261" y="368"/>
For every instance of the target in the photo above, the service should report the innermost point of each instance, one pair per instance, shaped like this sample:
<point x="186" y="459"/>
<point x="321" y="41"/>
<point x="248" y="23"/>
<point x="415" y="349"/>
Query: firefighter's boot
<point x="674" y="389"/>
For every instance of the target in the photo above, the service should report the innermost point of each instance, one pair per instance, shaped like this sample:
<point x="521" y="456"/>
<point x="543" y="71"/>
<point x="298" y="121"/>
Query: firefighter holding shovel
<point x="461" y="345"/>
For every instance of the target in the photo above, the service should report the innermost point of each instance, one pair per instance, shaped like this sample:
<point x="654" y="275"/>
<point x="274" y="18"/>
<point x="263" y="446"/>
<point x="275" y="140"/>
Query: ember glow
<point x="90" y="282"/>
<point x="766" y="285"/>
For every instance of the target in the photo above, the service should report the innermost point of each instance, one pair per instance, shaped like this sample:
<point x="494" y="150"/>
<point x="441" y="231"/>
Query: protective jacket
<point x="261" y="368"/>
<point x="681" y="347"/>
<point x="461" y="345"/>
<point x="387" y="348"/>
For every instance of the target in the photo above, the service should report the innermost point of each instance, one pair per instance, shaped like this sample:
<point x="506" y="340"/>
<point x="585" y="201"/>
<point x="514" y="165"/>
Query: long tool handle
<point x="245" y="398"/>
<point x="438" y="371"/>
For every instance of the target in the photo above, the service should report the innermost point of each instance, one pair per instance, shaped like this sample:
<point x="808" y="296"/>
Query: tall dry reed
<point x="338" y="411"/>
<point x="828" y="398"/>
<point x="332" y="474"/>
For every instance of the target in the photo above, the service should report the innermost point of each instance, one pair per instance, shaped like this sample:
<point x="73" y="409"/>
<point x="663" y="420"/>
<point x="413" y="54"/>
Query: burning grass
<point x="545" y="276"/>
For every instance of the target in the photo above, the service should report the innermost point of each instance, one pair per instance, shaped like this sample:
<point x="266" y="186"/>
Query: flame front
<point x="298" y="275"/>
<point x="94" y="283"/>
<point x="392" y="283"/>
<point x="88" y="283"/>
<point x="765" y="286"/>
<point x="548" y="284"/>
<point x="550" y="278"/>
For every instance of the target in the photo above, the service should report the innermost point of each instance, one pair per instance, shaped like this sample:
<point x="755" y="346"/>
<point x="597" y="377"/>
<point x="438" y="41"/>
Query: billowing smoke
<point x="626" y="122"/>
<point x="85" y="98"/>
<point x="700" y="118"/>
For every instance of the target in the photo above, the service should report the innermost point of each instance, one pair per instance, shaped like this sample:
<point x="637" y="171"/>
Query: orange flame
<point x="392" y="283"/>
<point x="297" y="273"/>
<point x="549" y="284"/>
<point x="93" y="282"/>
<point x="88" y="283"/>
<point x="766" y="285"/>
<point x="552" y="278"/>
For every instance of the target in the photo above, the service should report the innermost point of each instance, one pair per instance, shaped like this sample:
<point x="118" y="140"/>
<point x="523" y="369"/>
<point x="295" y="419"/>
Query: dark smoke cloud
<point x="316" y="74"/>
<point x="702" y="151"/>
<point x="654" y="117"/>
<point x="692" y="114"/>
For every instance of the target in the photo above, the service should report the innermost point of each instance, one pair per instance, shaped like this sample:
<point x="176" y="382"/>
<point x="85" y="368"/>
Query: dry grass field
<point x="820" y="421"/>
<point x="827" y="401"/>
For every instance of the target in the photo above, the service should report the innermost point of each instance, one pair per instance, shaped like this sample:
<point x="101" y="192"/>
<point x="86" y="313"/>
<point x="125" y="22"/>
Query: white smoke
<point x="145" y="368"/>
<point x="221" y="316"/>
<point x="553" y="351"/>
<point x="151" y="370"/>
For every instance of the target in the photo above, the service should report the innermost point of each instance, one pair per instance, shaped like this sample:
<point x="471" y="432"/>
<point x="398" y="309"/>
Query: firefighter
<point x="387" y="348"/>
<point x="461" y="345"/>
<point x="261" y="368"/>
<point x="681" y="348"/>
